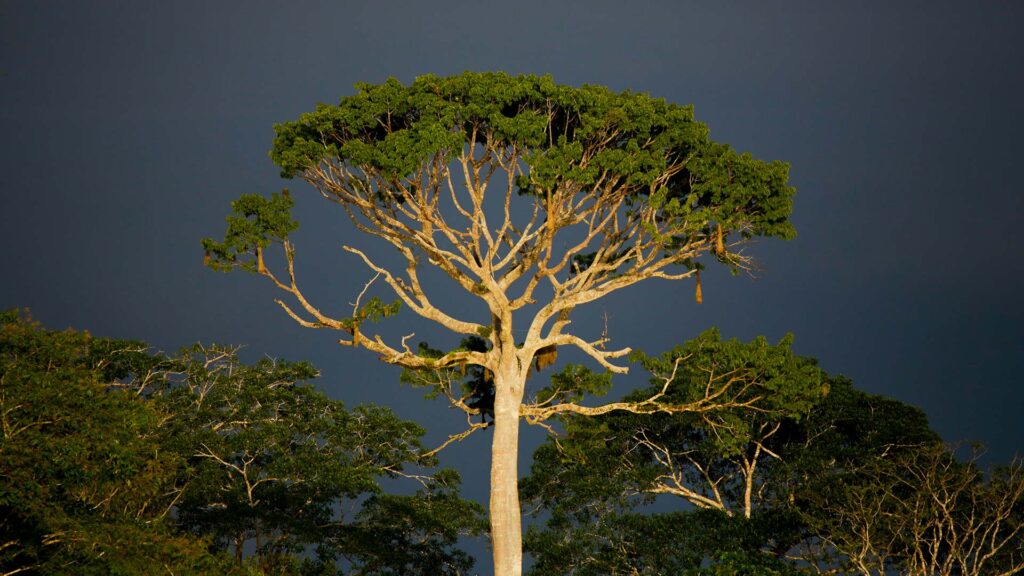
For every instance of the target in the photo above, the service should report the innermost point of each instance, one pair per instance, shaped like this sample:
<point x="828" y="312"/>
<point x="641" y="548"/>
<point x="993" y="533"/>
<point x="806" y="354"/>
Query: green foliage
<point x="783" y="386"/>
<point x="114" y="460"/>
<point x="374" y="310"/>
<point x="255" y="222"/>
<point x="574" y="383"/>
<point x="694" y="543"/>
<point x="84" y="482"/>
<point x="854" y="480"/>
<point x="853" y="425"/>
<point x="881" y="489"/>
<point x="569" y="134"/>
<point x="619" y="446"/>
<point x="271" y="462"/>
<point x="412" y="535"/>
<point x="795" y="432"/>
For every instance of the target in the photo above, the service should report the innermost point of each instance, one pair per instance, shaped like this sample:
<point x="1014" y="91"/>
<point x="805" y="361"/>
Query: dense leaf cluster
<point x="84" y="476"/>
<point x="814" y="475"/>
<point x="255" y="222"/>
<point x="114" y="460"/>
<point x="570" y="136"/>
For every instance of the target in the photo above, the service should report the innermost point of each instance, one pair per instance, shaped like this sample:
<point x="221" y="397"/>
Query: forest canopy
<point x="115" y="459"/>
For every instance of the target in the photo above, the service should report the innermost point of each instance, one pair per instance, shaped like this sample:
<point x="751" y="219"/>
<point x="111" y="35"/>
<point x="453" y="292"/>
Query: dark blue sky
<point x="128" y="127"/>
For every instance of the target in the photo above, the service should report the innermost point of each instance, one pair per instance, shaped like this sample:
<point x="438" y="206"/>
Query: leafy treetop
<point x="611" y="189"/>
<point x="632" y="185"/>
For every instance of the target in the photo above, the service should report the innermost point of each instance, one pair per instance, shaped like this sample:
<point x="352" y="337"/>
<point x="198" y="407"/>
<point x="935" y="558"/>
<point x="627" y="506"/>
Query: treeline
<point x="792" y="471"/>
<point x="118" y="460"/>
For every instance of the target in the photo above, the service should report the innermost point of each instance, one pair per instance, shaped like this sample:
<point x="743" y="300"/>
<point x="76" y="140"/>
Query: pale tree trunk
<point x="506" y="527"/>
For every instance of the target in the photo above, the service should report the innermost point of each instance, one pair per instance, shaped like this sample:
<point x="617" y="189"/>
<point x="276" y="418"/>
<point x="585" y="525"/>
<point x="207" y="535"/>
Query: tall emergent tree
<point x="615" y="188"/>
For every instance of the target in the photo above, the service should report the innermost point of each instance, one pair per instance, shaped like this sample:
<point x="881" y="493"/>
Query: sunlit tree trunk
<point x="506" y="527"/>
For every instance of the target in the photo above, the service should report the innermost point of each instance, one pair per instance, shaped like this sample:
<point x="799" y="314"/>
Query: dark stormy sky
<point x="128" y="127"/>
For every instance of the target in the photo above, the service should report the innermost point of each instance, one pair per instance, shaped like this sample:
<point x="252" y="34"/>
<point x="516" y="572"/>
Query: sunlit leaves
<point x="574" y="383"/>
<point x="255" y="222"/>
<point x="114" y="460"/>
<point x="84" y="480"/>
<point x="570" y="137"/>
<point x="591" y="479"/>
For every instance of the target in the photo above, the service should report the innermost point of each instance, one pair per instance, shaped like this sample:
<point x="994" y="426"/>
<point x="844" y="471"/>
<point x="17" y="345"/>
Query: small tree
<point x="618" y="188"/>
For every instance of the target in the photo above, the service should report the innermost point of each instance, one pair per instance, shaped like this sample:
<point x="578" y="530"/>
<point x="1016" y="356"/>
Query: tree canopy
<point x="533" y="197"/>
<point x="85" y="486"/>
<point x="814" y="477"/>
<point x="115" y="460"/>
<point x="632" y="183"/>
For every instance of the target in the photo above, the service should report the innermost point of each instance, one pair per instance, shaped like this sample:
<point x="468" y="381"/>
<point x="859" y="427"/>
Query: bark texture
<point x="506" y="528"/>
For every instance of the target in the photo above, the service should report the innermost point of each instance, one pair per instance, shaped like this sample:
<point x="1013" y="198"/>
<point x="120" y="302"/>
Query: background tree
<point x="278" y="468"/>
<point x="816" y="477"/>
<point x="618" y="188"/>
<point x="850" y="426"/>
<point x="416" y="536"/>
<point x="591" y="480"/>
<point x="85" y="486"/>
<point x="922" y="512"/>
<point x="115" y="460"/>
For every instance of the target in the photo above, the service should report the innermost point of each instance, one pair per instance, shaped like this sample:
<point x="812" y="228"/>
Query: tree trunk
<point x="506" y="527"/>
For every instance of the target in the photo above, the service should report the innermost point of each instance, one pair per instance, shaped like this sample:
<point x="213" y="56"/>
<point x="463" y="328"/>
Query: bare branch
<point x="458" y="437"/>
<point x="714" y="399"/>
<point x="420" y="305"/>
